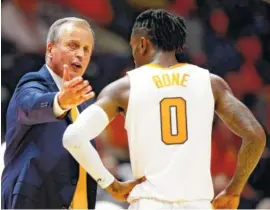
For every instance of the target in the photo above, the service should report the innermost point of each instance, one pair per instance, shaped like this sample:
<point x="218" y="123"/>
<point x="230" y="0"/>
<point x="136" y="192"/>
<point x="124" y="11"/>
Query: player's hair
<point x="54" y="31"/>
<point x="166" y="31"/>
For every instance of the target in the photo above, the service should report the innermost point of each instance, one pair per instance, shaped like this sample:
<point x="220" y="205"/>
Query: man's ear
<point x="50" y="46"/>
<point x="143" y="45"/>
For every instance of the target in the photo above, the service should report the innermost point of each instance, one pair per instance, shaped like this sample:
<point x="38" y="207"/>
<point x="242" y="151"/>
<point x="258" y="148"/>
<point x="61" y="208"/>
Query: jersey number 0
<point x="173" y="119"/>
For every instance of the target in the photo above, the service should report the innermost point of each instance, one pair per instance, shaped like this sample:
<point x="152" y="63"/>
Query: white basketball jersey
<point x="169" y="125"/>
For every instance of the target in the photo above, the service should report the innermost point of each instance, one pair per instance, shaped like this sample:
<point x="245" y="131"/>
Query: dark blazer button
<point x="74" y="181"/>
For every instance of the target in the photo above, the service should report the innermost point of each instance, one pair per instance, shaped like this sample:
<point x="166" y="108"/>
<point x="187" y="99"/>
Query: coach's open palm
<point x="74" y="92"/>
<point x="226" y="201"/>
<point x="121" y="190"/>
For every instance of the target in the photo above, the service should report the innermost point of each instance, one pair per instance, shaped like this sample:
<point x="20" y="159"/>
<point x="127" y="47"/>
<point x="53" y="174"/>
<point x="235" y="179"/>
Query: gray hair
<point x="54" y="30"/>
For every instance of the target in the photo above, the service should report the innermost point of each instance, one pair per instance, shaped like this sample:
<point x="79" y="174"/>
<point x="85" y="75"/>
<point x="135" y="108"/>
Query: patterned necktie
<point x="80" y="196"/>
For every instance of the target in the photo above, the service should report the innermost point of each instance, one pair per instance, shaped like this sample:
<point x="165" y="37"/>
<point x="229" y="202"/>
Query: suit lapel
<point x="49" y="80"/>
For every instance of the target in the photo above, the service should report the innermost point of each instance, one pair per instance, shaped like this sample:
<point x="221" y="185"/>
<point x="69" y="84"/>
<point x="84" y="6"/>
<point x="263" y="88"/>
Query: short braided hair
<point x="166" y="31"/>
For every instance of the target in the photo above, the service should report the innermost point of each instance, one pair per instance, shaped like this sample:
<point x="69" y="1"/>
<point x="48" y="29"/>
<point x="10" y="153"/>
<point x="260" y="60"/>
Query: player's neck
<point x="165" y="59"/>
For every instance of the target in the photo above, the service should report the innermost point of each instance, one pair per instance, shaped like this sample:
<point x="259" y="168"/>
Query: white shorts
<point x="154" y="204"/>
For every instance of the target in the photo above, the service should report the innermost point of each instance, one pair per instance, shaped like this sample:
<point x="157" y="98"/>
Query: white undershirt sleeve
<point x="90" y="123"/>
<point x="58" y="111"/>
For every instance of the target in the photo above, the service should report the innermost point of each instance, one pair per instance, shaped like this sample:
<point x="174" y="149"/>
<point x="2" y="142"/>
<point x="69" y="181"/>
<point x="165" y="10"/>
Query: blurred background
<point x="231" y="38"/>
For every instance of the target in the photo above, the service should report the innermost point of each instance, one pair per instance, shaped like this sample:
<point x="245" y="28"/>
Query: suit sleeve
<point x="35" y="103"/>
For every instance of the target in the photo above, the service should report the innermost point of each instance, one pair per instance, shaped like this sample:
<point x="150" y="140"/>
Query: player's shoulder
<point x="116" y="87"/>
<point x="148" y="67"/>
<point x="123" y="82"/>
<point x="219" y="85"/>
<point x="217" y="81"/>
<point x="197" y="68"/>
<point x="137" y="70"/>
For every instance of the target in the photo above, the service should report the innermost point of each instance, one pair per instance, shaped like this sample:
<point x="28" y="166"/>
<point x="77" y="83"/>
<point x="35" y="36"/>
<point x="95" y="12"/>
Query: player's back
<point x="169" y="124"/>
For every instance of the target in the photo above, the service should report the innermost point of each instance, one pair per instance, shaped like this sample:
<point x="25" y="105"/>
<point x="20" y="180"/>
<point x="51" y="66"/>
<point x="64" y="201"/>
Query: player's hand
<point x="121" y="190"/>
<point x="75" y="91"/>
<point x="224" y="200"/>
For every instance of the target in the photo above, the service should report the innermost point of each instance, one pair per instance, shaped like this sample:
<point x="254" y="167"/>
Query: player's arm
<point x="90" y="123"/>
<point x="242" y="122"/>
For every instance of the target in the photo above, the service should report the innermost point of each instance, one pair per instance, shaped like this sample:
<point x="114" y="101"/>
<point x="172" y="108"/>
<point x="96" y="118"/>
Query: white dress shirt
<point x="58" y="111"/>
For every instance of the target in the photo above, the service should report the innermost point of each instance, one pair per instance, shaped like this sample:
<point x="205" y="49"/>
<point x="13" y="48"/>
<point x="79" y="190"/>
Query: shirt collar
<point x="58" y="80"/>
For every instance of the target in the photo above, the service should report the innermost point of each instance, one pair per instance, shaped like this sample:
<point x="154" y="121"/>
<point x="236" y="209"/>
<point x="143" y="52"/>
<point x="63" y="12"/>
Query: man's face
<point x="74" y="48"/>
<point x="141" y="50"/>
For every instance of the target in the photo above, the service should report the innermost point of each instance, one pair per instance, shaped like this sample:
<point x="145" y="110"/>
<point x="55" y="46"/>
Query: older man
<point x="39" y="172"/>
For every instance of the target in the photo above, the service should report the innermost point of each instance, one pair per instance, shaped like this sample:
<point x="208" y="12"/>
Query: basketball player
<point x="169" y="109"/>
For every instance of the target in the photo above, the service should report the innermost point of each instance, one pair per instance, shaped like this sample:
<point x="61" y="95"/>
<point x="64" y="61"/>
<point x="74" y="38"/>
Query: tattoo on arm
<point x="242" y="122"/>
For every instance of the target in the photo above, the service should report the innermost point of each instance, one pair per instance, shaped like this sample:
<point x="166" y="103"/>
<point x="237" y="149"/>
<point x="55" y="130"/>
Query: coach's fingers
<point x="88" y="96"/>
<point x="85" y="90"/>
<point x="80" y="88"/>
<point x="66" y="75"/>
<point x="74" y="82"/>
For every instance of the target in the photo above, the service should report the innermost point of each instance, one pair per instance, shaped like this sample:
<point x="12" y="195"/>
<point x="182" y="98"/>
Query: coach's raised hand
<point x="74" y="92"/>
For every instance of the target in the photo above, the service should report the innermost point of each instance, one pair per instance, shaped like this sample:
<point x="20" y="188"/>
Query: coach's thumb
<point x="66" y="75"/>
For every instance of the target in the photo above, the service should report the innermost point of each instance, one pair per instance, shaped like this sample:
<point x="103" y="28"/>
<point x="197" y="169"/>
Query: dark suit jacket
<point x="37" y="167"/>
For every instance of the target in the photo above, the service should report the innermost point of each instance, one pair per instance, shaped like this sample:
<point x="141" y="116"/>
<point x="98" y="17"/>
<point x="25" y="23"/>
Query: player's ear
<point x="143" y="45"/>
